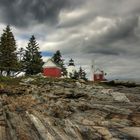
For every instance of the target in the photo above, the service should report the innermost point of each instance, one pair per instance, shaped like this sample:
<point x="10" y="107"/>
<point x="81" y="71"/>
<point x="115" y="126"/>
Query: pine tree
<point x="57" y="58"/>
<point x="82" y="74"/>
<point x="32" y="59"/>
<point x="21" y="54"/>
<point x="76" y="75"/>
<point x="8" y="56"/>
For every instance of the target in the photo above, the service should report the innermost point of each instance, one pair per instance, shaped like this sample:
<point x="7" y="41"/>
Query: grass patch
<point x="5" y="80"/>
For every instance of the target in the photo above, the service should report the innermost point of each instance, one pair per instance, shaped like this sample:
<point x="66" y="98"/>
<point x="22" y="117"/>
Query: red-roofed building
<point x="50" y="69"/>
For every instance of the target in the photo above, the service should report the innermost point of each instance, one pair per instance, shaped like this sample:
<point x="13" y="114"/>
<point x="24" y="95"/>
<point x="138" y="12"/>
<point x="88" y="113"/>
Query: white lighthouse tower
<point x="71" y="68"/>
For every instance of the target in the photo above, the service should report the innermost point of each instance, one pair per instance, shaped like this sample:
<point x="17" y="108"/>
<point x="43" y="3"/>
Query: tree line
<point x="28" y="60"/>
<point x="13" y="61"/>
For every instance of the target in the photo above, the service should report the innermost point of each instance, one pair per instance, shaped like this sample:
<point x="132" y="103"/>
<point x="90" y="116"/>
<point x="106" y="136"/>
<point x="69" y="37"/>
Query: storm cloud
<point x="24" y="12"/>
<point x="107" y="31"/>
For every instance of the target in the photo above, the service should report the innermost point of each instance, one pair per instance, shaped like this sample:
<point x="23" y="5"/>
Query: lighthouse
<point x="71" y="68"/>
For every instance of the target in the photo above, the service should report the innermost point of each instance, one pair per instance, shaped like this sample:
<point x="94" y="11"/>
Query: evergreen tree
<point x="57" y="58"/>
<point x="32" y="59"/>
<point x="82" y="74"/>
<point x="76" y="75"/>
<point x="8" y="56"/>
<point x="21" y="54"/>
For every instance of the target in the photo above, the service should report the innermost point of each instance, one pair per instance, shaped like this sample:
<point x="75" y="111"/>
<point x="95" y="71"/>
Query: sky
<point x="106" y="32"/>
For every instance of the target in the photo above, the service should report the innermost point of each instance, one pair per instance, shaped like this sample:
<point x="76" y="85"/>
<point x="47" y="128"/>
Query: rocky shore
<point x="53" y="109"/>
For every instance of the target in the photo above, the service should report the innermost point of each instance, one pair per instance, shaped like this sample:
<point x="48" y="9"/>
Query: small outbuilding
<point x="99" y="75"/>
<point x="51" y="69"/>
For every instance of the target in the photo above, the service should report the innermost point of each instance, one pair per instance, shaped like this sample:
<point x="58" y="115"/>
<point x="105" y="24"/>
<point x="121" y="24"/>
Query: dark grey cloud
<point x="122" y="30"/>
<point x="26" y="12"/>
<point x="106" y="50"/>
<point x="109" y="36"/>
